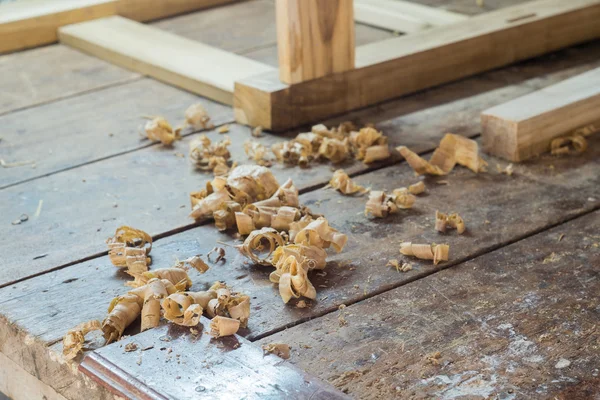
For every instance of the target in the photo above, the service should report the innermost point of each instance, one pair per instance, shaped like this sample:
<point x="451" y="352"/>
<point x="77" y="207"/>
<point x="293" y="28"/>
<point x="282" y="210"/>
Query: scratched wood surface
<point x="549" y="192"/>
<point x="519" y="322"/>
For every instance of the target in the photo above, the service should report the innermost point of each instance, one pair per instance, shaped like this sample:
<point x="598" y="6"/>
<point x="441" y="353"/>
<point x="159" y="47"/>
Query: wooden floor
<point x="513" y="314"/>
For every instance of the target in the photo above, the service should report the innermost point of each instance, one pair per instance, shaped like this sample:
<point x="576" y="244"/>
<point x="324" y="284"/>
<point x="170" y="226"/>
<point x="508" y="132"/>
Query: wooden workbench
<point x="513" y="314"/>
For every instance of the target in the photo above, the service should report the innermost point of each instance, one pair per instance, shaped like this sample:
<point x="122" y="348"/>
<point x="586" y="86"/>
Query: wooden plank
<point x="236" y="369"/>
<point x="99" y="125"/>
<point x="315" y="38"/>
<point x="187" y="64"/>
<point x="402" y="16"/>
<point x="524" y="127"/>
<point x="406" y="64"/>
<point x="357" y="273"/>
<point x="143" y="10"/>
<point x="520" y="321"/>
<point x="34" y="23"/>
<point x="21" y="385"/>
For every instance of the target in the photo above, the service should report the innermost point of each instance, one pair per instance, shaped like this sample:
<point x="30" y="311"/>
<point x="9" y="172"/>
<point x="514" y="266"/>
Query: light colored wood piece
<point x="402" y="16"/>
<point x="524" y="127"/>
<point x="25" y="24"/>
<point x="148" y="10"/>
<point x="181" y="62"/>
<point x="402" y="65"/>
<point x="19" y="384"/>
<point x="315" y="38"/>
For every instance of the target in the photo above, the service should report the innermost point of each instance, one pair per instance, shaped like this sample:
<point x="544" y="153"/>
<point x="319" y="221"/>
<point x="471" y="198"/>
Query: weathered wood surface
<point x="225" y="368"/>
<point x="20" y="384"/>
<point x="549" y="192"/>
<point x="144" y="10"/>
<point x="519" y="322"/>
<point x="94" y="126"/>
<point x="404" y="65"/>
<point x="24" y="83"/>
<point x="454" y="108"/>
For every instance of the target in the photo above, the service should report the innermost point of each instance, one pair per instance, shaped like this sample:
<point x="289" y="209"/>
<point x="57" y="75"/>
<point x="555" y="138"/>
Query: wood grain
<point x="21" y="385"/>
<point x="187" y="64"/>
<point x="402" y="16"/>
<point x="144" y="10"/>
<point x="25" y="25"/>
<point x="238" y="369"/>
<point x="404" y="65"/>
<point x="524" y="127"/>
<point x="501" y="322"/>
<point x="315" y="38"/>
<point x="98" y="125"/>
<point x="355" y="274"/>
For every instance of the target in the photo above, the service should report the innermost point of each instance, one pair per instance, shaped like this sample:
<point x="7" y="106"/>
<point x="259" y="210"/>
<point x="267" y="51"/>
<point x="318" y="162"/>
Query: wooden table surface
<point x="516" y="302"/>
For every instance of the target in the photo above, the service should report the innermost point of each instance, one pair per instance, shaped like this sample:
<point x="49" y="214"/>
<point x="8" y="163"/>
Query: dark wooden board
<point x="49" y="73"/>
<point x="173" y="363"/>
<point x="501" y="322"/>
<point x="91" y="127"/>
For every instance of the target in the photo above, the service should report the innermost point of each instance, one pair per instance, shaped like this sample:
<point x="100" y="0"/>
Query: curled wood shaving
<point x="310" y="257"/>
<point x="257" y="131"/>
<point x="376" y="153"/>
<point x="342" y="182"/>
<point x="293" y="152"/>
<point x="129" y="248"/>
<point x="402" y="198"/>
<point x="319" y="233"/>
<point x="225" y="215"/>
<point x="131" y="237"/>
<point x="404" y="267"/>
<point x="220" y="254"/>
<point x="223" y="129"/>
<point x="294" y="282"/>
<point x="453" y="149"/>
<point x="197" y="263"/>
<point x="151" y="294"/>
<point x="334" y="150"/>
<point x="186" y="308"/>
<point x="285" y="195"/>
<point x="508" y="170"/>
<point x="75" y="338"/>
<point x="281" y="350"/>
<point x="258" y="152"/>
<point x="223" y="326"/>
<point x="417" y="188"/>
<point x="435" y="252"/>
<point x="380" y="205"/>
<point x="159" y="129"/>
<point x="210" y="156"/>
<point x="571" y="145"/>
<point x="259" y="242"/>
<point x="176" y="275"/>
<point x="197" y="117"/>
<point x="443" y="221"/>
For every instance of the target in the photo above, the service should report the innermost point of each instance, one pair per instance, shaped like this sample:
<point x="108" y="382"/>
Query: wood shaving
<point x="223" y="326"/>
<point x="186" y="308"/>
<point x="129" y="247"/>
<point x="334" y="150"/>
<point x="417" y="188"/>
<point x="197" y="263"/>
<point x="293" y="282"/>
<point x="403" y="198"/>
<point x="21" y="219"/>
<point x="244" y="185"/>
<point x="257" y="132"/>
<point x="130" y="347"/>
<point x="443" y="221"/>
<point x="75" y="338"/>
<point x="258" y="152"/>
<point x="453" y="149"/>
<point x="177" y="275"/>
<point x="223" y="129"/>
<point x="508" y="170"/>
<point x="197" y="117"/>
<point x="569" y="145"/>
<point x="342" y="182"/>
<point x="209" y="156"/>
<point x="220" y="254"/>
<point x="159" y="130"/>
<point x="435" y="252"/>
<point x="259" y="242"/>
<point x="400" y="267"/>
<point x="281" y="350"/>
<point x="380" y="205"/>
<point x="318" y="233"/>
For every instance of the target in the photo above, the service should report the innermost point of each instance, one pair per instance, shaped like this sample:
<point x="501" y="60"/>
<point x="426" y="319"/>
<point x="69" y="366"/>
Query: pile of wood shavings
<point x="209" y="156"/>
<point x="336" y="145"/>
<point x="573" y="144"/>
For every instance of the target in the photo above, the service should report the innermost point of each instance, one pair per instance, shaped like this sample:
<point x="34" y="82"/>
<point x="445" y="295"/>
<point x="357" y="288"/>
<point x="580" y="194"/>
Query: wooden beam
<point x="35" y="22"/>
<point x="315" y="38"/>
<point x="524" y="127"/>
<point x="181" y="62"/>
<point x="18" y="384"/>
<point x="403" y="65"/>
<point x="145" y="10"/>
<point x="25" y="24"/>
<point x="402" y="16"/>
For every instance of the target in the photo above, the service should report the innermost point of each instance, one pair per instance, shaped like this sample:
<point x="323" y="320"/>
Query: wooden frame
<point x="34" y="23"/>
<point x="403" y="65"/>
